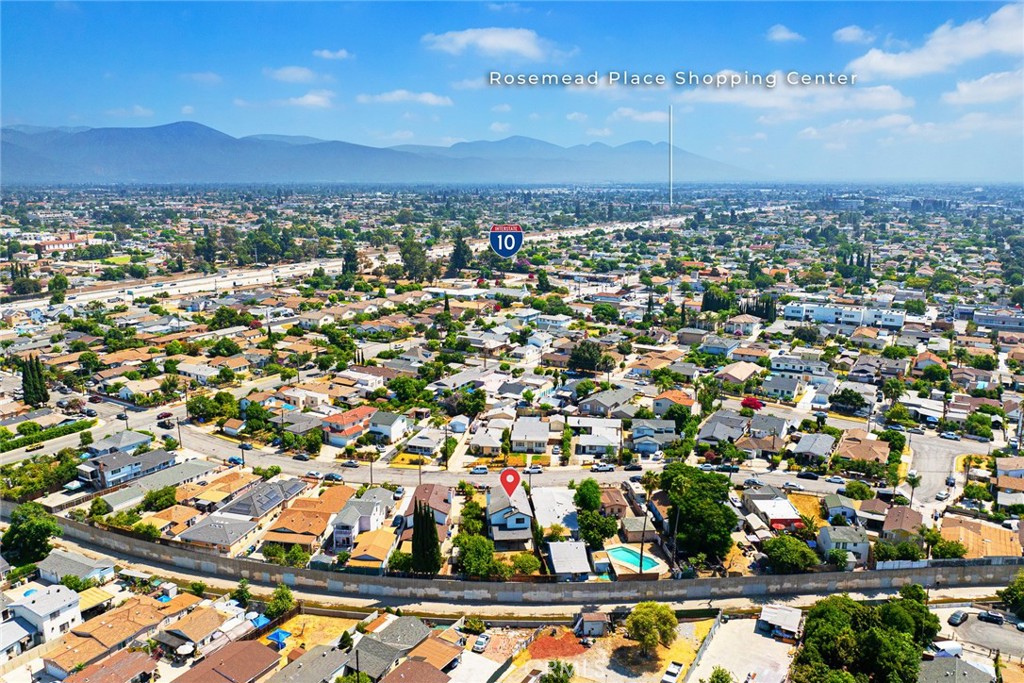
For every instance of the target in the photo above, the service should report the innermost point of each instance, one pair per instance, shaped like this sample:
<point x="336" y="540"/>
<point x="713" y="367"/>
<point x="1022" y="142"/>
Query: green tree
<point x="558" y="672"/>
<point x="197" y="588"/>
<point x="945" y="550"/>
<point x="296" y="556"/>
<point x="719" y="675"/>
<point x="426" y="548"/>
<point x="595" y="528"/>
<point x="461" y="256"/>
<point x="789" y="555"/>
<point x="651" y="623"/>
<point x="76" y="584"/>
<point x="525" y="564"/>
<point x="838" y="557"/>
<point x="585" y="356"/>
<point x="588" y="495"/>
<point x="1013" y="594"/>
<point x="476" y="555"/>
<point x="354" y="677"/>
<point x="893" y="388"/>
<point x="345" y="642"/>
<point x="241" y="593"/>
<point x="27" y="539"/>
<point x="99" y="507"/>
<point x="859" y="491"/>
<point x="159" y="499"/>
<point x="147" y="531"/>
<point x="280" y="602"/>
<point x="85" y="439"/>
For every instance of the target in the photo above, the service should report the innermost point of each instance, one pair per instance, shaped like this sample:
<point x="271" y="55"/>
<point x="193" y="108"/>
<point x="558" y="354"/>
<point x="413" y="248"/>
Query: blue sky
<point x="939" y="93"/>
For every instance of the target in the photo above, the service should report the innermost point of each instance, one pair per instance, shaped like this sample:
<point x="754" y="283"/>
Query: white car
<point x="533" y="469"/>
<point x="479" y="469"/>
<point x="942" y="495"/>
<point x="675" y="669"/>
<point x="482" y="641"/>
<point x="315" y="474"/>
<point x="602" y="467"/>
<point x="836" y="479"/>
<point x="793" y="486"/>
<point x="706" y="467"/>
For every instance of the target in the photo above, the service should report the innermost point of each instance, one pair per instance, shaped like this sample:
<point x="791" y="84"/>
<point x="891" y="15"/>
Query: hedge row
<point x="46" y="435"/>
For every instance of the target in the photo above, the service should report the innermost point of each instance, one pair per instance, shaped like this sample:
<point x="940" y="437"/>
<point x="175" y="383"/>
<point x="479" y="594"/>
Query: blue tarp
<point x="260" y="621"/>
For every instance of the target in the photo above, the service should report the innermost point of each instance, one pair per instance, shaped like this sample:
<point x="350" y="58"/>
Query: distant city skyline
<point x="939" y="92"/>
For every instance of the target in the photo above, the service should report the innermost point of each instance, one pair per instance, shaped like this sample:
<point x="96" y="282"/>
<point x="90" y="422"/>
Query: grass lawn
<point x="117" y="260"/>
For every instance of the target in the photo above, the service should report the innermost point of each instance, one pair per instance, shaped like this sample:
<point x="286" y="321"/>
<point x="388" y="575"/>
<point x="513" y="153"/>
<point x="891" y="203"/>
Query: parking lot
<point x="1006" y="638"/>
<point x="738" y="648"/>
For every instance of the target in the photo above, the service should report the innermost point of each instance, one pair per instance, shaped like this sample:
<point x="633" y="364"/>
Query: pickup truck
<point x="675" y="669"/>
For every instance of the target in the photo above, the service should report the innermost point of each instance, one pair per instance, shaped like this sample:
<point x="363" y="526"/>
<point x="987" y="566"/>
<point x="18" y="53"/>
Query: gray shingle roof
<point x="218" y="530"/>
<point x="63" y="562"/>
<point x="48" y="600"/>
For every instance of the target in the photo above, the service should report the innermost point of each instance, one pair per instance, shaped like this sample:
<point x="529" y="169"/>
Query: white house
<point x="391" y="426"/>
<point x="52" y="611"/>
<point x="358" y="516"/>
<point x="852" y="539"/>
<point x="509" y="518"/>
<point x="529" y="435"/>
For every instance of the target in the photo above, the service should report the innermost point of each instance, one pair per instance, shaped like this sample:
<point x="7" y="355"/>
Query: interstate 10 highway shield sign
<point x="506" y="240"/>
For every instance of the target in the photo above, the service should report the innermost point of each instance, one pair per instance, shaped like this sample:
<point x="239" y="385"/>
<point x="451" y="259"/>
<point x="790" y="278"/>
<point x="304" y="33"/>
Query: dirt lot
<point x="311" y="631"/>
<point x="809" y="505"/>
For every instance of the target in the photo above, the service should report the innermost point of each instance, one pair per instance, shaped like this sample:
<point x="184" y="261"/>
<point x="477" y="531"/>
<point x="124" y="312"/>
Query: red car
<point x="95" y="399"/>
<point x="164" y="415"/>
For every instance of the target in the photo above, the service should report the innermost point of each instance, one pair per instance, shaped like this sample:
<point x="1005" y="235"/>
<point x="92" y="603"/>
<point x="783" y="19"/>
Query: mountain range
<point x="188" y="152"/>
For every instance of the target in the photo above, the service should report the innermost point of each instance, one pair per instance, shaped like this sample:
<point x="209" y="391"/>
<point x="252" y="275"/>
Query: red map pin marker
<point x="509" y="480"/>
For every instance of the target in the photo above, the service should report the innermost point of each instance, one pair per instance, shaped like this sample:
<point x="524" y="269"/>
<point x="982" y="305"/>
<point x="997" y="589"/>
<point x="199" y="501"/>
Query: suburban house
<point x="852" y="539"/>
<point x="568" y="560"/>
<point x="245" y="661"/>
<point x="902" y="524"/>
<point x="650" y="436"/>
<point x="227" y="535"/>
<point x="815" y="446"/>
<point x="555" y="505"/>
<point x="357" y="517"/>
<point x="304" y="528"/>
<point x="390" y="426"/>
<point x="51" y="612"/>
<point x="673" y="397"/>
<point x="60" y="563"/>
<point x="782" y="388"/>
<point x="118" y="467"/>
<point x="714" y="345"/>
<point x="122" y="442"/>
<point x="344" y="428"/>
<point x="529" y="435"/>
<point x="372" y="550"/>
<point x="723" y="426"/>
<point x="833" y="504"/>
<point x="607" y="403"/>
<point x="509" y="518"/>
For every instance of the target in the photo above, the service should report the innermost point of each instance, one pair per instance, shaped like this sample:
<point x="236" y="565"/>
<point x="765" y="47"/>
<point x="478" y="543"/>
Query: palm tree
<point x="650" y="482"/>
<point x="893" y="389"/>
<point x="913" y="481"/>
<point x="930" y="536"/>
<point x="664" y="382"/>
<point x="960" y="353"/>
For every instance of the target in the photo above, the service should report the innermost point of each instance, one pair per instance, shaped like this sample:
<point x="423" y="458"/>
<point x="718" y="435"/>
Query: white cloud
<point x="188" y="110"/>
<point x="534" y="116"/>
<point x="291" y="74"/>
<point x="499" y="127"/>
<point x="204" y="77"/>
<point x="853" y="34"/>
<point x="470" y="84"/>
<point x="134" y="111"/>
<point x="599" y="132"/>
<point x="492" y="42"/>
<point x="947" y="46"/>
<point x="511" y="7"/>
<point x="758" y="136"/>
<point x="781" y="34"/>
<point x="787" y="102"/>
<point x="501" y="108"/>
<point x="314" y="99"/>
<point x="850" y="127"/>
<point x="639" y="116"/>
<point x="427" y="98"/>
<point x="576" y="116"/>
<point x="1005" y="85"/>
<point x="333" y="54"/>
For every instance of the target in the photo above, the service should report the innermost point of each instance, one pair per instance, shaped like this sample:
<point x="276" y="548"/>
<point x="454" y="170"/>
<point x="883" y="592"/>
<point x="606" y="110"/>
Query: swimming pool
<point x="627" y="555"/>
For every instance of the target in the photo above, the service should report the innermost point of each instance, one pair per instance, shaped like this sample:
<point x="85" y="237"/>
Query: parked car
<point x="793" y="486"/>
<point x="301" y="457"/>
<point x="633" y="467"/>
<point x="991" y="617"/>
<point x="706" y="467"/>
<point x="334" y="476"/>
<point x="728" y="468"/>
<point x="1020" y="626"/>
<point x="753" y="482"/>
<point x="89" y="412"/>
<point x="95" y="399"/>
<point x="122" y="416"/>
<point x="896" y="427"/>
<point x="806" y="474"/>
<point x="636" y="478"/>
<point x="316" y="474"/>
<point x="479" y="469"/>
<point x="235" y="460"/>
<point x="246" y="446"/>
<point x="942" y="495"/>
<point x="165" y="424"/>
<point x="672" y="673"/>
<point x="958" y="617"/>
<point x="836" y="479"/>
<point x="398" y="493"/>
<point x="952" y="436"/>
<point x="951" y="480"/>
<point x="533" y="469"/>
<point x="915" y="430"/>
<point x="482" y="641"/>
<point x="602" y="467"/>
<point x="556" y="450"/>
<point x="164" y="415"/>
<point x="350" y="463"/>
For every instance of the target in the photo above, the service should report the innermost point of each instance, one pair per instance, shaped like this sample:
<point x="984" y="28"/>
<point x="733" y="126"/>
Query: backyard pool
<point x="627" y="555"/>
